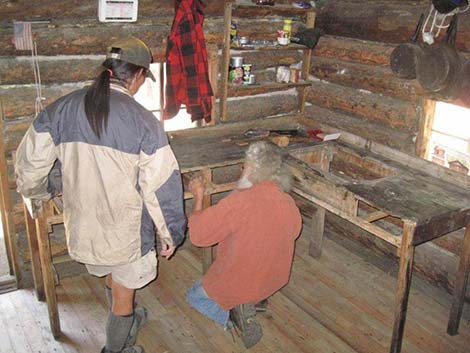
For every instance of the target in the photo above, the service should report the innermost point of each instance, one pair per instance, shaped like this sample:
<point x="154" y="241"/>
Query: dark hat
<point x="132" y="50"/>
<point x="446" y="6"/>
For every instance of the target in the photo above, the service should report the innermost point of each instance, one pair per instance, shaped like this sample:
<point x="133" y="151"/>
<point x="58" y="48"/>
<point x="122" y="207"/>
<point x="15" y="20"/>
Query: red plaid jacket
<point x="187" y="68"/>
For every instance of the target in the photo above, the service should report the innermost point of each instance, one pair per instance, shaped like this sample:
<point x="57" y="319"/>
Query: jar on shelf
<point x="233" y="30"/>
<point x="287" y="27"/>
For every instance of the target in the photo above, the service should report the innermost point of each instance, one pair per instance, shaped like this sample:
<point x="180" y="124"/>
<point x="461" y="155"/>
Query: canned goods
<point x="236" y="61"/>
<point x="235" y="71"/>
<point x="246" y="73"/>
<point x="243" y="40"/>
<point x="283" y="37"/>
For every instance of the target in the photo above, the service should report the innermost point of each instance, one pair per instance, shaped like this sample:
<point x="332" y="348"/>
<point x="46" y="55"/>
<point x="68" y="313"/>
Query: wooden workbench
<point x="403" y="200"/>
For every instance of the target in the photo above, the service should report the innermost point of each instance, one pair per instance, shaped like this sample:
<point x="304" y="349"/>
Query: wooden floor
<point x="341" y="303"/>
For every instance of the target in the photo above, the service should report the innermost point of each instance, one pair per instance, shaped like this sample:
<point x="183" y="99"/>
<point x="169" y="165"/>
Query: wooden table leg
<point x="317" y="226"/>
<point x="48" y="275"/>
<point x="32" y="237"/>
<point x="207" y="255"/>
<point x="317" y="223"/>
<point x="403" y="289"/>
<point x="461" y="281"/>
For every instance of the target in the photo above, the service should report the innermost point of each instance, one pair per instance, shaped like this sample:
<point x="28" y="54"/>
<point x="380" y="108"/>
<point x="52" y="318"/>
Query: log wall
<point x="353" y="88"/>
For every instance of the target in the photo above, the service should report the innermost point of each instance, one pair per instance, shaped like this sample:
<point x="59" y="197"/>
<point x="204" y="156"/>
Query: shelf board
<point x="277" y="10"/>
<point x="272" y="47"/>
<point x="248" y="90"/>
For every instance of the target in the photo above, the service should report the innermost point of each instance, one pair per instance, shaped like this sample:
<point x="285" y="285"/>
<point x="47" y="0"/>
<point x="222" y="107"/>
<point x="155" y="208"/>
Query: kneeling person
<point x="255" y="228"/>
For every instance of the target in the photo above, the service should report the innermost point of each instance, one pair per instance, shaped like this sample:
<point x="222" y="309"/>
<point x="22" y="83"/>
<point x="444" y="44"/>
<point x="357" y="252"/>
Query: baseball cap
<point x="132" y="50"/>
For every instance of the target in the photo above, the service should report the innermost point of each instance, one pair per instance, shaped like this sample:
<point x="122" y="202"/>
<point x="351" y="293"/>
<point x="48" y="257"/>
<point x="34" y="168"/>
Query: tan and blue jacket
<point x="116" y="189"/>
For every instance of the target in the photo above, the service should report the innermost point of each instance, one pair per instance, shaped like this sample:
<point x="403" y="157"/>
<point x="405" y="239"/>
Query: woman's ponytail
<point x="97" y="102"/>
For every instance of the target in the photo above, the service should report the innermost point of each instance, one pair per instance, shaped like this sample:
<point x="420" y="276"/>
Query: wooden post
<point x="461" y="281"/>
<point x="403" y="288"/>
<point x="213" y="78"/>
<point x="306" y="63"/>
<point x="307" y="59"/>
<point x="225" y="62"/>
<point x="32" y="237"/>
<point x="317" y="223"/>
<point x="425" y="126"/>
<point x="207" y="255"/>
<point x="9" y="225"/>
<point x="48" y="274"/>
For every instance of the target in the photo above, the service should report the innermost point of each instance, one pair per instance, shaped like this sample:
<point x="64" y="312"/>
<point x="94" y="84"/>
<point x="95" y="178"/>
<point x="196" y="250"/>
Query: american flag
<point x="23" y="37"/>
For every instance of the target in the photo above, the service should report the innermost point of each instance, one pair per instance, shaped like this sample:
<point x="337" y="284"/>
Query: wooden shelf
<point x="248" y="90"/>
<point x="307" y="16"/>
<point x="272" y="47"/>
<point x="277" y="10"/>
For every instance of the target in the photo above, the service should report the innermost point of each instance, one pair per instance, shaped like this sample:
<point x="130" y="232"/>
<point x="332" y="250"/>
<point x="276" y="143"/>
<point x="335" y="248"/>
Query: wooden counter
<point x="403" y="200"/>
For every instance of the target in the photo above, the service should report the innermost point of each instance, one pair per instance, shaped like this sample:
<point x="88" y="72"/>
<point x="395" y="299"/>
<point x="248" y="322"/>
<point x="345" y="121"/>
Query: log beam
<point x="387" y="111"/>
<point x="383" y="21"/>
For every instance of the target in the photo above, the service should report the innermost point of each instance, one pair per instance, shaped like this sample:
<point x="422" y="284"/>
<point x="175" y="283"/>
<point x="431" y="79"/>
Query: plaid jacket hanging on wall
<point x="187" y="68"/>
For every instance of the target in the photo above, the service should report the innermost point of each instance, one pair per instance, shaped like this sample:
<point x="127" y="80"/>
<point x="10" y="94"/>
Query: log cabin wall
<point x="70" y="45"/>
<point x="353" y="88"/>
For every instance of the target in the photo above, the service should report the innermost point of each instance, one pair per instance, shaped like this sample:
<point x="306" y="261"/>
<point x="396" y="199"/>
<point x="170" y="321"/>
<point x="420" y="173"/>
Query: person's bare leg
<point x="123" y="298"/>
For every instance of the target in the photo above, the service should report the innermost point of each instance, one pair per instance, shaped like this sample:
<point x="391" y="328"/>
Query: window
<point x="151" y="96"/>
<point x="449" y="143"/>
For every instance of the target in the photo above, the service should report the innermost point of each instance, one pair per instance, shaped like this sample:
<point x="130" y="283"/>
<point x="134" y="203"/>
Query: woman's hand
<point x="167" y="250"/>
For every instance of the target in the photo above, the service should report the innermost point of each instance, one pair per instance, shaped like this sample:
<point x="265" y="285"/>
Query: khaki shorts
<point x="134" y="275"/>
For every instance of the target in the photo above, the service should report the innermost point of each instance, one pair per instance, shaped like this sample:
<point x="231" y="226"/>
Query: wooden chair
<point x="39" y="221"/>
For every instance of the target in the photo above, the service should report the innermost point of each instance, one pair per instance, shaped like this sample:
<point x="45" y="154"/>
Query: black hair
<point x="97" y="96"/>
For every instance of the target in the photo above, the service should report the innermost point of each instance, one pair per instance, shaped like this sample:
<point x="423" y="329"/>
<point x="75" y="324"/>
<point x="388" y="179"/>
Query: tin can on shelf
<point x="282" y="37"/>
<point x="235" y="71"/>
<point x="246" y="73"/>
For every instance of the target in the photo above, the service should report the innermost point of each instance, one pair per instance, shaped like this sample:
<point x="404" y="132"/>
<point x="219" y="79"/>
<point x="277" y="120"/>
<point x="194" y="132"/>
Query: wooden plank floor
<point x="339" y="304"/>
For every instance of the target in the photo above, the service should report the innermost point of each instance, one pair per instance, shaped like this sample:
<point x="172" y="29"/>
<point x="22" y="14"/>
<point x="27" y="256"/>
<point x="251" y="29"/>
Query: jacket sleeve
<point x="161" y="188"/>
<point x="213" y="224"/>
<point x="35" y="157"/>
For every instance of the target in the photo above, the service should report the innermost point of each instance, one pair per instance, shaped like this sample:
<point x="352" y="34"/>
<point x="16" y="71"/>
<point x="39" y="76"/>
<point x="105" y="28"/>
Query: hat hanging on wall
<point x="447" y="6"/>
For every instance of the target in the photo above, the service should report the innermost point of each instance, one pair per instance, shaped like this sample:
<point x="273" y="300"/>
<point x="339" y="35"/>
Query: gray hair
<point x="268" y="165"/>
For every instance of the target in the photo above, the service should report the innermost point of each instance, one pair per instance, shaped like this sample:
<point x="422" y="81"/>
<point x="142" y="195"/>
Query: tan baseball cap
<point x="132" y="50"/>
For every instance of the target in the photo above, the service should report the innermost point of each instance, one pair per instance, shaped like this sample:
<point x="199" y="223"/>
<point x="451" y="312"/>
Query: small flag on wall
<point x="23" y="36"/>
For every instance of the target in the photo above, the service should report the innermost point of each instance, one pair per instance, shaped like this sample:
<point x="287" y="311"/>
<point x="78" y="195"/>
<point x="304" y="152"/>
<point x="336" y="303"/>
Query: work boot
<point x="243" y="316"/>
<point x="141" y="317"/>
<point x="262" y="306"/>
<point x="133" y="349"/>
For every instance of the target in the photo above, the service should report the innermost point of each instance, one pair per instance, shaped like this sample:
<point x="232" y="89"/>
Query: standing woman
<point x="120" y="179"/>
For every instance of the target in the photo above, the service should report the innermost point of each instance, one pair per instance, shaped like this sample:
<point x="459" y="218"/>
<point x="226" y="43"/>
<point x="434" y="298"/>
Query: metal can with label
<point x="235" y="71"/>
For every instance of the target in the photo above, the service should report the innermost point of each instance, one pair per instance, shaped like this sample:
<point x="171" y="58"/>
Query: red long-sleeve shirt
<point x="255" y="230"/>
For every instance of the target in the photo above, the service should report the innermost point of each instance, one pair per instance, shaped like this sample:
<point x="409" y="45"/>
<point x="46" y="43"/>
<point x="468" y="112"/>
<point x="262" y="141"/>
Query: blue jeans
<point x="197" y="297"/>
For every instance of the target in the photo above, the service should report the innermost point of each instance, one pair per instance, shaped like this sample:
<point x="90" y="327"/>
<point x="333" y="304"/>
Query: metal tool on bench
<point x="265" y="132"/>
